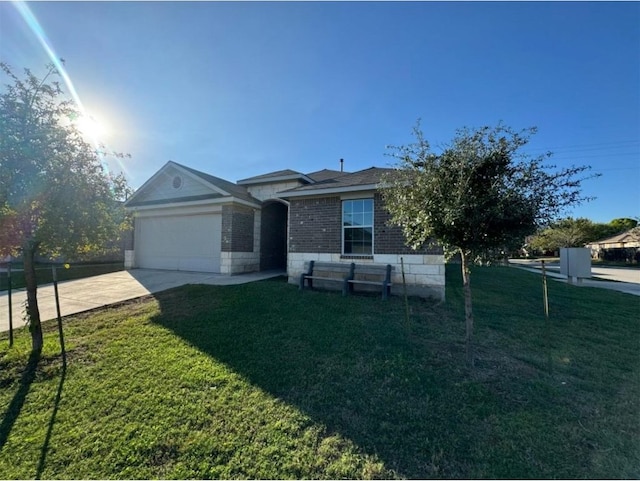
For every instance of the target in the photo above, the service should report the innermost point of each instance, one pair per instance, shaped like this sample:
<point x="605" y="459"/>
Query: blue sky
<point x="240" y="89"/>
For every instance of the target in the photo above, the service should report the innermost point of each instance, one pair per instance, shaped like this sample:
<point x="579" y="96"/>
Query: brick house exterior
<point x="316" y="233"/>
<point x="189" y="220"/>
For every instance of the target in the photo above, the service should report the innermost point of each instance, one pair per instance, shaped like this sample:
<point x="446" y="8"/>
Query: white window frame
<point x="343" y="227"/>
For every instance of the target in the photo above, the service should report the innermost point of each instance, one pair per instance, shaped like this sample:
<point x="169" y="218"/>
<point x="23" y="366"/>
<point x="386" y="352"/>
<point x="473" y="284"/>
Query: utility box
<point x="575" y="263"/>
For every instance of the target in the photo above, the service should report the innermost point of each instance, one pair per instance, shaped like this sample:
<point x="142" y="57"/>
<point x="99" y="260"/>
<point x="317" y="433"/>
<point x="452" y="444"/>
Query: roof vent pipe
<point x="341" y="165"/>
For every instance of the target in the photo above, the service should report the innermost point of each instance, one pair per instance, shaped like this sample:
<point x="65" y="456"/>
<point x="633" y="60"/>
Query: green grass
<point x="44" y="275"/>
<point x="262" y="381"/>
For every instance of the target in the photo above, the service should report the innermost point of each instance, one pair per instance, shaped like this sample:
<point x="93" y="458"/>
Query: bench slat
<point x="324" y="278"/>
<point x="373" y="283"/>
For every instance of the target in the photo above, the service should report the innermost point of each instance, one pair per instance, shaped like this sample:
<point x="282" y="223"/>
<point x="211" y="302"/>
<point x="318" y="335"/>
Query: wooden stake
<point x="10" y="307"/>
<point x="544" y="291"/>
<point x="55" y="290"/>
<point x="404" y="287"/>
<point x="547" y="323"/>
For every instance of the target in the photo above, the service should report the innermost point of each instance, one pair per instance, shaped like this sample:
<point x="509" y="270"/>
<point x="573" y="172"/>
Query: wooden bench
<point x="348" y="275"/>
<point x="372" y="275"/>
<point x="322" y="271"/>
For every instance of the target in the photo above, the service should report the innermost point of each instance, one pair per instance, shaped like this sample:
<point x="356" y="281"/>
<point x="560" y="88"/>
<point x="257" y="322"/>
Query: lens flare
<point x="87" y="125"/>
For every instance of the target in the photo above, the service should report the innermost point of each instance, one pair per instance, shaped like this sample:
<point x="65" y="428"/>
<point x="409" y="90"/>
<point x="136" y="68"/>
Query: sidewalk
<point x="552" y="272"/>
<point x="92" y="292"/>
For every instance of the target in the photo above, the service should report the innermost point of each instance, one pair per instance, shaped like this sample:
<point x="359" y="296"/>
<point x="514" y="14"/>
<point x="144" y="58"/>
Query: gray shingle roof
<point x="279" y="175"/>
<point x="370" y="176"/>
<point x="325" y="174"/>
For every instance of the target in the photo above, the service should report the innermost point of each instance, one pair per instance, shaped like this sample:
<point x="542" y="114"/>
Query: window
<point x="357" y="227"/>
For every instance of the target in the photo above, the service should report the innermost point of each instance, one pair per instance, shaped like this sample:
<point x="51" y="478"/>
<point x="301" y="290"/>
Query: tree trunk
<point x="33" y="312"/>
<point x="468" y="308"/>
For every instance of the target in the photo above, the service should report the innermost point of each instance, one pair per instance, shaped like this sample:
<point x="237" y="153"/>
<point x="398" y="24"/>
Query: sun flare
<point x="91" y="128"/>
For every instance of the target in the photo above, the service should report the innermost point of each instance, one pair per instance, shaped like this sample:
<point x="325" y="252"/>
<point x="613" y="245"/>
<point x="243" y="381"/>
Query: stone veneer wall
<point x="424" y="274"/>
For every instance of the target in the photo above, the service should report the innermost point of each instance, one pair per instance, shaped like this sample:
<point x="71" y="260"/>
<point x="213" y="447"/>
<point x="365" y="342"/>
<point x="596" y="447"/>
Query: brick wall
<point x="389" y="239"/>
<point x="237" y="228"/>
<point x="315" y="225"/>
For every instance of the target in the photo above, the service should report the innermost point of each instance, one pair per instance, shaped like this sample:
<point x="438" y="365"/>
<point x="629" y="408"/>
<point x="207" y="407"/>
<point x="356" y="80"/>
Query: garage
<point x="179" y="242"/>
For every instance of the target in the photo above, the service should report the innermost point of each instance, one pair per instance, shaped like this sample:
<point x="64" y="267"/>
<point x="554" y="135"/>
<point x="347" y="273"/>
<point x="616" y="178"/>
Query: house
<point x="620" y="247"/>
<point x="189" y="220"/>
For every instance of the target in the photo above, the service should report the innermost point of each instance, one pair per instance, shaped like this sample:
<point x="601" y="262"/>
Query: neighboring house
<point x="623" y="246"/>
<point x="188" y="220"/>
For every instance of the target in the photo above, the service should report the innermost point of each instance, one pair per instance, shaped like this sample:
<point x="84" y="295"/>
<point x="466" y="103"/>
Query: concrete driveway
<point x="85" y="294"/>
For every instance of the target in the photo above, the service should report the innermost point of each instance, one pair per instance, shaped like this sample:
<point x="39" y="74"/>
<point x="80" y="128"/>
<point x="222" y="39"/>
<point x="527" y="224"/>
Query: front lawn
<point x="262" y="381"/>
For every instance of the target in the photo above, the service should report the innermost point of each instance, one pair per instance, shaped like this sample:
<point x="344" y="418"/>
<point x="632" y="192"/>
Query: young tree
<point x="480" y="195"/>
<point x="55" y="197"/>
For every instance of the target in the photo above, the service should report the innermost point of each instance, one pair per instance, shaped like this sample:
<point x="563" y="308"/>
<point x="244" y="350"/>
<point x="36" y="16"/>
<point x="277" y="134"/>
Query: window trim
<point x="342" y="228"/>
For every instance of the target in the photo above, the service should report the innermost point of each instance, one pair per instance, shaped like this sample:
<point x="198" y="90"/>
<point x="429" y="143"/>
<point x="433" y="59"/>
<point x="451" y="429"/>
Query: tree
<point x="55" y="197"/>
<point x="622" y="224"/>
<point x="478" y="196"/>
<point x="571" y="232"/>
<point x="567" y="232"/>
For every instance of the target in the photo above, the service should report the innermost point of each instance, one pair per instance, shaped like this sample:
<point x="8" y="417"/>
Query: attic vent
<point x="177" y="182"/>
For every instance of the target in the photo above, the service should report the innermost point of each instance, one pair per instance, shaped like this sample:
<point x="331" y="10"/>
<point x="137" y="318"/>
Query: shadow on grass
<point x="17" y="402"/>
<point x="47" y="439"/>
<point x="348" y="363"/>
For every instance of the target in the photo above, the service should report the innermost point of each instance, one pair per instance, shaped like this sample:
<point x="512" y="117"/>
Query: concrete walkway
<point x="625" y="280"/>
<point x="92" y="292"/>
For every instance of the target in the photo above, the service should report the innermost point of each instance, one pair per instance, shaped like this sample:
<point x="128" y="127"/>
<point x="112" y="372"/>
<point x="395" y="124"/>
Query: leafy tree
<point x="622" y="224"/>
<point x="571" y="232"/>
<point x="479" y="195"/>
<point x="567" y="232"/>
<point x="55" y="197"/>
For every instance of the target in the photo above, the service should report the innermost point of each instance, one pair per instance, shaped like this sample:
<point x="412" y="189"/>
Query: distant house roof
<point x="624" y="239"/>
<point x="367" y="179"/>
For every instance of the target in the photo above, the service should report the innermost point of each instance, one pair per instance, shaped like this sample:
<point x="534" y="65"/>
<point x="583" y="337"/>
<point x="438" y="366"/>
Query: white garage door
<point x="183" y="243"/>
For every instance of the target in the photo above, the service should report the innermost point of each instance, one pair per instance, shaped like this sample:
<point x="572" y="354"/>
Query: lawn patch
<point x="261" y="381"/>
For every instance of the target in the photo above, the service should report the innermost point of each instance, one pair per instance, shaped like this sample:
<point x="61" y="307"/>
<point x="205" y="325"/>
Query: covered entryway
<point x="273" y="236"/>
<point x="178" y="242"/>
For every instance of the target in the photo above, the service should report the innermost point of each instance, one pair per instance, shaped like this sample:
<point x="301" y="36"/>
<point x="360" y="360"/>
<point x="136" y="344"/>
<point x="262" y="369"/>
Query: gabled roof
<point x="320" y="182"/>
<point x="219" y="188"/>
<point x="367" y="179"/>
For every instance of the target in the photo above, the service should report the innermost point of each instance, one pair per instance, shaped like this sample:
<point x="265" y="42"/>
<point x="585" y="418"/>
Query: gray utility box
<point x="575" y="263"/>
